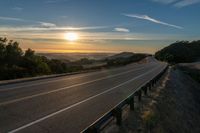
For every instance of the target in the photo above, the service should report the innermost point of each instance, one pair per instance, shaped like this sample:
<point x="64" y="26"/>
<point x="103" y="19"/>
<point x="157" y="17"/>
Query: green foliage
<point x="16" y="64"/>
<point x="29" y="53"/>
<point x="85" y="61"/>
<point x="13" y="53"/>
<point x="178" y="52"/>
<point x="57" y="66"/>
<point x="2" y="49"/>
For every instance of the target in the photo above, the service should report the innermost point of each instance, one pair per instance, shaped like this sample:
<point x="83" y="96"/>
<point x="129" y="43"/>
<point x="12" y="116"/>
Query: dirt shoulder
<point x="173" y="106"/>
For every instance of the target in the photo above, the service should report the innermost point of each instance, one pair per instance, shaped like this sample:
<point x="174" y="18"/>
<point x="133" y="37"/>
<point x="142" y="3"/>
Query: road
<point x="69" y="103"/>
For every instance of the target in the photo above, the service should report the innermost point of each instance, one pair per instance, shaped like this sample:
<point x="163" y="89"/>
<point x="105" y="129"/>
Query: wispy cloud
<point x="178" y="3"/>
<point x="46" y="25"/>
<point x="54" y="1"/>
<point x="84" y="28"/>
<point x="17" y="8"/>
<point x="39" y="23"/>
<point x="184" y="3"/>
<point x="63" y="16"/>
<point x="11" y="19"/>
<point x="145" y="17"/>
<point x="121" y="29"/>
<point x="164" y="1"/>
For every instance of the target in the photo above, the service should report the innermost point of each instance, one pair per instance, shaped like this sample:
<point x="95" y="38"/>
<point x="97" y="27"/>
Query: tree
<point x="13" y="53"/>
<point x="29" y="53"/>
<point x="2" y="50"/>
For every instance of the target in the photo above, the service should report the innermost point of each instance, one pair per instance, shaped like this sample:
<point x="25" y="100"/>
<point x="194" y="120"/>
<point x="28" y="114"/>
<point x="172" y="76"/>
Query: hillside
<point x="180" y="52"/>
<point x="124" y="58"/>
<point x="75" y="56"/>
<point x="121" y="55"/>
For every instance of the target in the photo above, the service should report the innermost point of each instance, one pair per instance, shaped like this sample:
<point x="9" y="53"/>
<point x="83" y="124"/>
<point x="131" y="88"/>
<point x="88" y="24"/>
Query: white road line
<point x="45" y="82"/>
<point x="55" y="80"/>
<point x="64" y="88"/>
<point x="76" y="104"/>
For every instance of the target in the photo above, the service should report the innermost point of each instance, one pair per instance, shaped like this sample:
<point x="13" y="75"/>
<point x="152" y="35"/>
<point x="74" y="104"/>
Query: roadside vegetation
<point x="179" y="52"/>
<point x="16" y="63"/>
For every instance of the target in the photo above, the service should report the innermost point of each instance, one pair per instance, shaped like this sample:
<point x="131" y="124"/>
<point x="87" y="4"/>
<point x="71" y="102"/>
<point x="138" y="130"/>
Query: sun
<point x="71" y="36"/>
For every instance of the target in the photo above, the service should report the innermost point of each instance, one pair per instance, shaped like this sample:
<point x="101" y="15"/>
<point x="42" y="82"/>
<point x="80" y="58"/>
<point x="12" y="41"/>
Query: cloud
<point x="46" y="25"/>
<point x="178" y="3"/>
<point x="164" y="1"/>
<point x="17" y="8"/>
<point x="41" y="24"/>
<point x="84" y="28"/>
<point x="64" y="16"/>
<point x="121" y="30"/>
<point x="145" y="17"/>
<point x="11" y="19"/>
<point x="54" y="1"/>
<point x="184" y="3"/>
<point x="48" y="28"/>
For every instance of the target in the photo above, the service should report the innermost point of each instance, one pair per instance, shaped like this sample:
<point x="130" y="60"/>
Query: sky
<point x="101" y="25"/>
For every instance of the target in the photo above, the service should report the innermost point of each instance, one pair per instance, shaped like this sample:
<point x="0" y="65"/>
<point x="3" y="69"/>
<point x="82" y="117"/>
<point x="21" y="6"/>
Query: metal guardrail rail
<point x="116" y="112"/>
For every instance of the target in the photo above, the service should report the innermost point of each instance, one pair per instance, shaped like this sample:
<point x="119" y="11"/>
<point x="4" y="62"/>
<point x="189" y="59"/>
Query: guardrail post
<point x="152" y="84"/>
<point x="117" y="112"/>
<point x="131" y="103"/>
<point x="139" y="94"/>
<point x="92" y="130"/>
<point x="145" y="90"/>
<point x="149" y="86"/>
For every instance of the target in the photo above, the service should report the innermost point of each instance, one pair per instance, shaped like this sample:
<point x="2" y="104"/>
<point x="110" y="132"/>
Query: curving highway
<point x="69" y="103"/>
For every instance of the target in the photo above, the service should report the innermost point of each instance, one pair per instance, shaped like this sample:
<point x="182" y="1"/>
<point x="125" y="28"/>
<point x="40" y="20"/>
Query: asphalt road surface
<point x="69" y="104"/>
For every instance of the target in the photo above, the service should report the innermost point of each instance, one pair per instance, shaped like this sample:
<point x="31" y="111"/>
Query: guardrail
<point x="116" y="112"/>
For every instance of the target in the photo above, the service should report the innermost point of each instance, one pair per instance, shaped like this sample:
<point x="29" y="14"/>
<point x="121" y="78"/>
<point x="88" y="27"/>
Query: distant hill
<point x="180" y="52"/>
<point x="124" y="58"/>
<point x="76" y="56"/>
<point x="121" y="55"/>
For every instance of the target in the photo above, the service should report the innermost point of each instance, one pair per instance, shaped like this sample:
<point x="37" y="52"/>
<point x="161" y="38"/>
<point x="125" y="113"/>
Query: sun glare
<point x="71" y="36"/>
